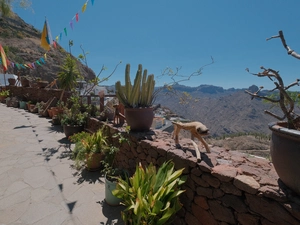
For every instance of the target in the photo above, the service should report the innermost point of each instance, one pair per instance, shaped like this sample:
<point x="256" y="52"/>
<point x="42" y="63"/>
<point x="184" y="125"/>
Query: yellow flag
<point x="3" y="57"/>
<point x="84" y="7"/>
<point x="46" y="39"/>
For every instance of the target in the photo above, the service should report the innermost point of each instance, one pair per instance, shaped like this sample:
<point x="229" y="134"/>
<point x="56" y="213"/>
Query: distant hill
<point x="21" y="42"/>
<point x="223" y="111"/>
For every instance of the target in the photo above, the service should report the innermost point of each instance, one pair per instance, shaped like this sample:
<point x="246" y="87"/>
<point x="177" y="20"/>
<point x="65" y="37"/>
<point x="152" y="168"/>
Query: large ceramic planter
<point x="109" y="197"/>
<point x="139" y="119"/>
<point x="72" y="129"/>
<point x="285" y="154"/>
<point x="93" y="161"/>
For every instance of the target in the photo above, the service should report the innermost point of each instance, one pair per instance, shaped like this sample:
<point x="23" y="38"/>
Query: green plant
<point x="4" y="93"/>
<point x="141" y="93"/>
<point x="73" y="115"/>
<point x="86" y="144"/>
<point x="68" y="75"/>
<point x="110" y="154"/>
<point x="151" y="197"/>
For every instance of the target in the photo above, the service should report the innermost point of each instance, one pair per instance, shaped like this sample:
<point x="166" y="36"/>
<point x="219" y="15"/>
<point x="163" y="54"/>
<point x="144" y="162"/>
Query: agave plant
<point x="151" y="197"/>
<point x="139" y="95"/>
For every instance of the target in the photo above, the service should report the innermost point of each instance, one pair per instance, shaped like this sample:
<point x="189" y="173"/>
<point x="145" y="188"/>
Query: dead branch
<point x="174" y="75"/>
<point x="289" y="50"/>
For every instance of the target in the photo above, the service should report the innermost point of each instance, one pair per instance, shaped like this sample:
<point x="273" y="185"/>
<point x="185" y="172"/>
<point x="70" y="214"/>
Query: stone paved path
<point x="38" y="184"/>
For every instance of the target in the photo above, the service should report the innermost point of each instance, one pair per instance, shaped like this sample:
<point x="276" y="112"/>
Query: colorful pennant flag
<point x="66" y="33"/>
<point x="71" y="24"/>
<point x="92" y="2"/>
<point x="84" y="7"/>
<point x="77" y="17"/>
<point x="46" y="39"/>
<point x="3" y="57"/>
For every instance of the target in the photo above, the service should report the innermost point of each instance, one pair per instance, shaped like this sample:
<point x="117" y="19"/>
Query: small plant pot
<point x="42" y="84"/>
<point x="93" y="161"/>
<point x="50" y="113"/>
<point x="110" y="199"/>
<point x="24" y="82"/>
<point x="22" y="104"/>
<point x="72" y="129"/>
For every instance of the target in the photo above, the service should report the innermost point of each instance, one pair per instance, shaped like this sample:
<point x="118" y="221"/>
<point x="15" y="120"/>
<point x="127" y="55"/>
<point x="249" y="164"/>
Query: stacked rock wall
<point x="226" y="187"/>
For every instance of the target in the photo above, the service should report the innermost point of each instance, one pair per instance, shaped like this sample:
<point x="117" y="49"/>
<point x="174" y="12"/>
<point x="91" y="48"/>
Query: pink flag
<point x="77" y="17"/>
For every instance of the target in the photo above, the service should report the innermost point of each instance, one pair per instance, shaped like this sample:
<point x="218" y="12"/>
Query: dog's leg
<point x="203" y="142"/>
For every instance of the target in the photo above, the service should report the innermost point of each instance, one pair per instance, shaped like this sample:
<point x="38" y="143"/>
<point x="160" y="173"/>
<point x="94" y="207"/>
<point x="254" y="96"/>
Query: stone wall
<point x="226" y="187"/>
<point x="36" y="94"/>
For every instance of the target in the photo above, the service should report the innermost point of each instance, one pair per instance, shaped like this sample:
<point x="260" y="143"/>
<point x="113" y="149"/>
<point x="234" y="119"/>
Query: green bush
<point x="151" y="197"/>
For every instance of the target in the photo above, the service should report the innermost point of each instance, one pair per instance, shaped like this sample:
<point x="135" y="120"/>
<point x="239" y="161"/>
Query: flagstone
<point x="36" y="176"/>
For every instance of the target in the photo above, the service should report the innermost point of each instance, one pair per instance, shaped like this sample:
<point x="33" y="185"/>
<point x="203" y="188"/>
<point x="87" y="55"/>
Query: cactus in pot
<point x="137" y="99"/>
<point x="139" y="95"/>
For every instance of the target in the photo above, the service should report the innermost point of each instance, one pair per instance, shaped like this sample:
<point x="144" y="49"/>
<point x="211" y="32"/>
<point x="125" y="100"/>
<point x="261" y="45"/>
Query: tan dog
<point x="197" y="130"/>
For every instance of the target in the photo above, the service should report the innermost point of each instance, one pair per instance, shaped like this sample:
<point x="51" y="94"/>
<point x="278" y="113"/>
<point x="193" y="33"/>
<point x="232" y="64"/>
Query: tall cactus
<point x="141" y="93"/>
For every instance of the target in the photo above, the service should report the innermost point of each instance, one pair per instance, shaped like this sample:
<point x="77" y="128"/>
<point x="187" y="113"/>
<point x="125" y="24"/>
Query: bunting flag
<point x="3" y="57"/>
<point x="46" y="39"/>
<point x="84" y="7"/>
<point x="46" y="42"/>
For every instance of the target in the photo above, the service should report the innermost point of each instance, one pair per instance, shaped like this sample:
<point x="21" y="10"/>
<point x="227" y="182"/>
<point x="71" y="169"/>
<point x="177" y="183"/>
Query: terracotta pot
<point x="56" y="111"/>
<point x="2" y="98"/>
<point x="93" y="161"/>
<point x="50" y="113"/>
<point x="285" y="154"/>
<point x="42" y="84"/>
<point x="139" y="119"/>
<point x="24" y="82"/>
<point x="72" y="129"/>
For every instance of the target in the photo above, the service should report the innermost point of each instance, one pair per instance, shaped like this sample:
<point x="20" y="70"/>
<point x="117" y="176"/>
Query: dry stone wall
<point x="36" y="94"/>
<point x="226" y="187"/>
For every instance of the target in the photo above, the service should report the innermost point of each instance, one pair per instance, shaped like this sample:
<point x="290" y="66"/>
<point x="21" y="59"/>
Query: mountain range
<point x="223" y="111"/>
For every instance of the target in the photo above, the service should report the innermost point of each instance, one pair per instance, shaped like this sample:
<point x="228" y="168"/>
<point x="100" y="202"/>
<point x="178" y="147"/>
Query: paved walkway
<point x="38" y="184"/>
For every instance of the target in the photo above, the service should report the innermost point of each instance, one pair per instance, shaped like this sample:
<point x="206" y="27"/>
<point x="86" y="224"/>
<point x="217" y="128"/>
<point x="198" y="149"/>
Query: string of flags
<point x="46" y="43"/>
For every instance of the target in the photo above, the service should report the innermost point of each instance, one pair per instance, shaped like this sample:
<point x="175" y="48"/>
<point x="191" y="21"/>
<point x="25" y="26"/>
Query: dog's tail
<point x="177" y="123"/>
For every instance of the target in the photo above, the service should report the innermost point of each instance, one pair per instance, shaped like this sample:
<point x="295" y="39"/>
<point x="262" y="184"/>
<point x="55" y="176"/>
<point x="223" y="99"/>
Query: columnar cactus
<point x="141" y="94"/>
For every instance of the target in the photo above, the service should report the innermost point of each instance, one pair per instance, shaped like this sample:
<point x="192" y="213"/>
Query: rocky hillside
<point x="21" y="42"/>
<point x="222" y="111"/>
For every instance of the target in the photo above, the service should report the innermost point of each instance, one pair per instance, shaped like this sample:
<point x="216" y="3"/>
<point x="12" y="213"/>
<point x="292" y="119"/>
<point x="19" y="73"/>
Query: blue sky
<point x="178" y="33"/>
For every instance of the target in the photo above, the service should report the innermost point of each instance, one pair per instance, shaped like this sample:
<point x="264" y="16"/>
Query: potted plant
<point x="3" y="95"/>
<point x="137" y="99"/>
<point x="73" y="119"/>
<point x="90" y="148"/>
<point x="25" y="82"/>
<point x="111" y="171"/>
<point x="285" y="141"/>
<point x="150" y="196"/>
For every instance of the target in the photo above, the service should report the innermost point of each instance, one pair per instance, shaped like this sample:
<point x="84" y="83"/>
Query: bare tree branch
<point x="289" y="50"/>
